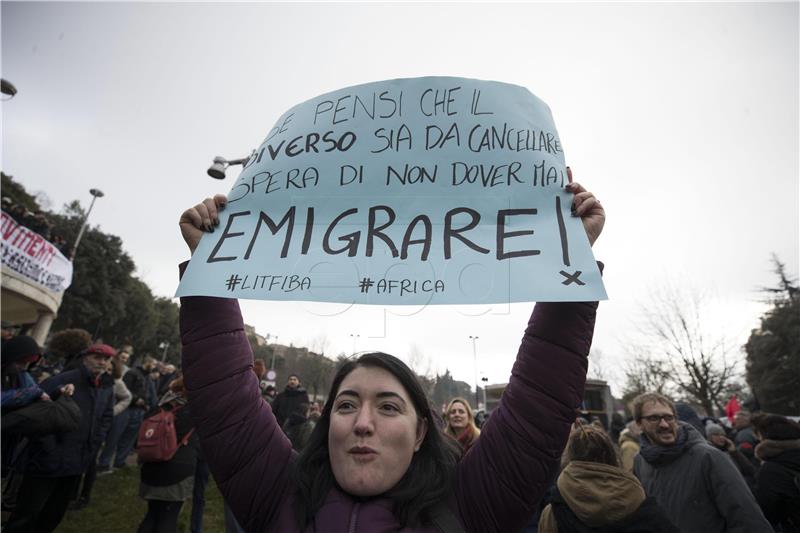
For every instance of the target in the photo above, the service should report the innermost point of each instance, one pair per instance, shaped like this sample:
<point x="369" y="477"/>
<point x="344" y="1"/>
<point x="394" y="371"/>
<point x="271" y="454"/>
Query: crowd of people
<point x="69" y="416"/>
<point x="666" y="470"/>
<point x="375" y="456"/>
<point x="38" y="222"/>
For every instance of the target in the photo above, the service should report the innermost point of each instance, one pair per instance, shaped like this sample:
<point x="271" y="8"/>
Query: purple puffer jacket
<point x="500" y="481"/>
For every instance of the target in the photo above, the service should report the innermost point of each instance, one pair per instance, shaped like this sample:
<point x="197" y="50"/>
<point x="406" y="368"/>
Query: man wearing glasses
<point x="698" y="486"/>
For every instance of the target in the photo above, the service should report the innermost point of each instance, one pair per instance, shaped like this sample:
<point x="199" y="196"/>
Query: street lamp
<point x="354" y="341"/>
<point x="475" y="357"/>
<point x="272" y="360"/>
<point x="96" y="193"/>
<point x="220" y="165"/>
<point x="485" y="381"/>
<point x="165" y="346"/>
<point x="8" y="89"/>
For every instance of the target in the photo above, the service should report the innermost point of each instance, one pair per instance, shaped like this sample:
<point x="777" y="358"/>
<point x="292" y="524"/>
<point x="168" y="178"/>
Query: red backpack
<point x="158" y="440"/>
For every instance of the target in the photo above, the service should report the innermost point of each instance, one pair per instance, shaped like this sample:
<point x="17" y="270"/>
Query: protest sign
<point x="29" y="254"/>
<point x="411" y="191"/>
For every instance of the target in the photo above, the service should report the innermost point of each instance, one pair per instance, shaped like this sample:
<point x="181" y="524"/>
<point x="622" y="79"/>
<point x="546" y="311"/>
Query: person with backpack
<point x="778" y="480"/>
<point x="167" y="450"/>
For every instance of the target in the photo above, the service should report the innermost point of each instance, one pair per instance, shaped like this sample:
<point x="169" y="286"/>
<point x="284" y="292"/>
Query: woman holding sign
<point x="375" y="460"/>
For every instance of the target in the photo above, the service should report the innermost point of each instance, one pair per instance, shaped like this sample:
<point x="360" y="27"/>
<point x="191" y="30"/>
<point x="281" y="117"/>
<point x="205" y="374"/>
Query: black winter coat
<point x="136" y="379"/>
<point x="69" y="454"/>
<point x="288" y="402"/>
<point x="182" y="464"/>
<point x="777" y="483"/>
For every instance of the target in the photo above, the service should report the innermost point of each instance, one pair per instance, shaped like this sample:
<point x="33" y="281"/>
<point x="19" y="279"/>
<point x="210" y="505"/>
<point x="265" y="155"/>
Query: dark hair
<point x="116" y="368"/>
<point x="587" y="443"/>
<point x="776" y="427"/>
<point x="428" y="479"/>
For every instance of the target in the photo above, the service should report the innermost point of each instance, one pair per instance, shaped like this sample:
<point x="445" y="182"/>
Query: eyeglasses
<point x="656" y="419"/>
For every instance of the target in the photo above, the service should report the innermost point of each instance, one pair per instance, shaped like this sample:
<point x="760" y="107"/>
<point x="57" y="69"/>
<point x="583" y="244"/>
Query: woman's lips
<point x="361" y="450"/>
<point x="362" y="453"/>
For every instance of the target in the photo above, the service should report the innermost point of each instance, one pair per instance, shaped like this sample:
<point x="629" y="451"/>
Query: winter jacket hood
<point x="599" y="494"/>
<point x="774" y="450"/>
<point x="627" y="436"/>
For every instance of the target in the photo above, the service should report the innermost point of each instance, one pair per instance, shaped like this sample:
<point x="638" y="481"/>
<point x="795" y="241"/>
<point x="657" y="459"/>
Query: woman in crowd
<point x="594" y="494"/>
<point x="166" y="485"/>
<point x="716" y="435"/>
<point x="375" y="460"/>
<point x="778" y="480"/>
<point x="629" y="445"/>
<point x="461" y="423"/>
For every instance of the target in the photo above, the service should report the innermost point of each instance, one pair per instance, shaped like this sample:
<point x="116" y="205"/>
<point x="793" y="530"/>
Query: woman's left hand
<point x="586" y="206"/>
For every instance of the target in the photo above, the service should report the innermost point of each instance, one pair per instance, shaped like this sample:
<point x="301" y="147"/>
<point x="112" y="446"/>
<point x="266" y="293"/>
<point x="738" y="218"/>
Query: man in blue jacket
<point x="56" y="462"/>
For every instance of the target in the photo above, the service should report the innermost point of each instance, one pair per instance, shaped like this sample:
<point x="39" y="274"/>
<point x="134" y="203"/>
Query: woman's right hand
<point x="202" y="217"/>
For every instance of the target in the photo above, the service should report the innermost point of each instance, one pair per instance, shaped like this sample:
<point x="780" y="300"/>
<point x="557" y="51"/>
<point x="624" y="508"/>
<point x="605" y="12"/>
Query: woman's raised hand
<point x="586" y="206"/>
<point x="202" y="217"/>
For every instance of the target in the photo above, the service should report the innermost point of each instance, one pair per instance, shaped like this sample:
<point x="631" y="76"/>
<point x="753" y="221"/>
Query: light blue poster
<point x="412" y="191"/>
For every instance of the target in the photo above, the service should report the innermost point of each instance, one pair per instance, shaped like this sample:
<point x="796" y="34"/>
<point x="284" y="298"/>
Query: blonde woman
<point x="461" y="423"/>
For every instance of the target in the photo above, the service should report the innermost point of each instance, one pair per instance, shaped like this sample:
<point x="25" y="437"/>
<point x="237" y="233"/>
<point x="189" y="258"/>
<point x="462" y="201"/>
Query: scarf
<point x="658" y="455"/>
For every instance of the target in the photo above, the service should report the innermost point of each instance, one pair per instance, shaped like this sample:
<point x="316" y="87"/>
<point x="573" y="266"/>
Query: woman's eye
<point x="390" y="407"/>
<point x="343" y="406"/>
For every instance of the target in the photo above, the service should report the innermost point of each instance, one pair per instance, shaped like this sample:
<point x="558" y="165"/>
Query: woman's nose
<point x="365" y="423"/>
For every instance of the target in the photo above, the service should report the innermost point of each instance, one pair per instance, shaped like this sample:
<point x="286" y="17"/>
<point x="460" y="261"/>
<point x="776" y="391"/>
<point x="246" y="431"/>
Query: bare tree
<point x="317" y="372"/>
<point x="422" y="366"/>
<point x="597" y="366"/>
<point x="696" y="356"/>
<point x="644" y="372"/>
<point x="420" y="363"/>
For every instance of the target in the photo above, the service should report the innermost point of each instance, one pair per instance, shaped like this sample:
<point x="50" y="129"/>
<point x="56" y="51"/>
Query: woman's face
<point x="458" y="416"/>
<point x="374" y="432"/>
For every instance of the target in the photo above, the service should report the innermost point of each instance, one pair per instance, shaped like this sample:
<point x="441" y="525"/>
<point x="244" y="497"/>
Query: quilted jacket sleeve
<point x="246" y="450"/>
<point x="504" y="475"/>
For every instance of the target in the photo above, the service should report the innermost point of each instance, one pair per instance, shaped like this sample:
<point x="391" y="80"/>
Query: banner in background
<point x="30" y="255"/>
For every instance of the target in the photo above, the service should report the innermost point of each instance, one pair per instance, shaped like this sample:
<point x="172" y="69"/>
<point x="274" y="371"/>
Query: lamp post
<point x="354" y="341"/>
<point x="485" y="381"/>
<point x="96" y="193"/>
<point x="272" y="360"/>
<point x="475" y="357"/>
<point x="164" y="345"/>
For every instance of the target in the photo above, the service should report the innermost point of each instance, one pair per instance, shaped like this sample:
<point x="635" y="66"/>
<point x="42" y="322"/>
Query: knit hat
<point x="20" y="348"/>
<point x="714" y="429"/>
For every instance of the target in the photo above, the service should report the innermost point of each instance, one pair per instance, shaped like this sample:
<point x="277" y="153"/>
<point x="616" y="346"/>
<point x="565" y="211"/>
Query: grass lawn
<point x="116" y="507"/>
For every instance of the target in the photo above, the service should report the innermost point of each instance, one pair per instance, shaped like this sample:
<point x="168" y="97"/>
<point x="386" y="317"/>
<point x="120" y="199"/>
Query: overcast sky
<point x="682" y="118"/>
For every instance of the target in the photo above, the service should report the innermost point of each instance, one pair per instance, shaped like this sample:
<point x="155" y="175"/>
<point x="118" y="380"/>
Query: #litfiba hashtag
<point x="232" y="282"/>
